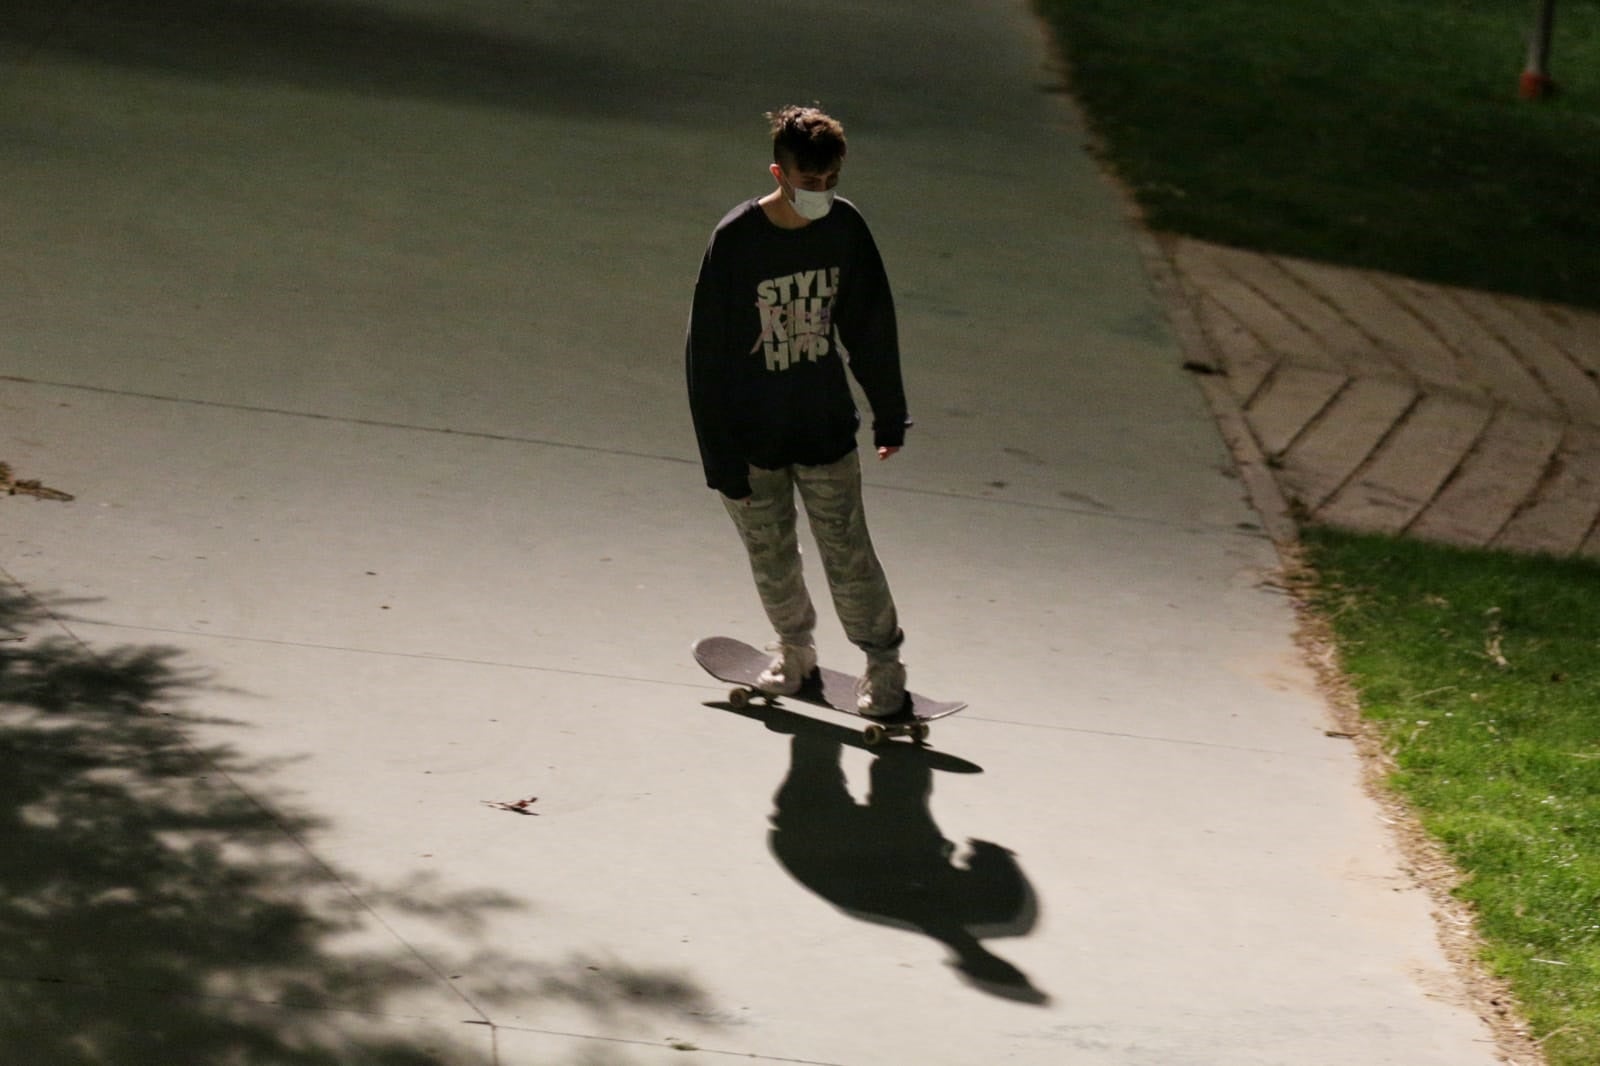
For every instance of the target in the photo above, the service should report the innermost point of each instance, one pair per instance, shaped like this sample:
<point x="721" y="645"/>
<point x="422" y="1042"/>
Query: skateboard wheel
<point x="919" y="732"/>
<point x="874" y="735"/>
<point x="739" y="698"/>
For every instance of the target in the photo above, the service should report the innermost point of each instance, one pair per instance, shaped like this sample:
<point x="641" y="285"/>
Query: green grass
<point x="1482" y="671"/>
<point x="1383" y="134"/>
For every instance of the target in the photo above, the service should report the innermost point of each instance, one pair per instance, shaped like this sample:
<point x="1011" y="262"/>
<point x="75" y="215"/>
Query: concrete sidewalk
<point x="355" y="330"/>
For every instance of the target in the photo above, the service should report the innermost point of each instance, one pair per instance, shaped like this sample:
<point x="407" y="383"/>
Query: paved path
<point x="355" y="330"/>
<point x="1382" y="403"/>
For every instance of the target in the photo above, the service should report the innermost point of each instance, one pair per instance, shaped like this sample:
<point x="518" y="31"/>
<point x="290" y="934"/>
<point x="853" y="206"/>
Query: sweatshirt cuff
<point x="890" y="433"/>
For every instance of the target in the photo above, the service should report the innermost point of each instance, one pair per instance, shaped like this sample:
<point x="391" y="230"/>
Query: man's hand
<point x="884" y="453"/>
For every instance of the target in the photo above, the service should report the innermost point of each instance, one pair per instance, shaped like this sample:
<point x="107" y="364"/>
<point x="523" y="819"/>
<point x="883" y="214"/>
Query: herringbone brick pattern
<point x="1386" y="404"/>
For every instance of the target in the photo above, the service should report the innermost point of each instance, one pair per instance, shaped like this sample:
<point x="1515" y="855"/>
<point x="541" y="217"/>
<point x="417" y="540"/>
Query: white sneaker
<point x="881" y="693"/>
<point x="788" y="670"/>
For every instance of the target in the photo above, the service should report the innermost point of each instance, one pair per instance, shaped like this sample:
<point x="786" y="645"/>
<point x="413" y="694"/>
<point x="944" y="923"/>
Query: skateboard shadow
<point x="780" y="719"/>
<point x="885" y="860"/>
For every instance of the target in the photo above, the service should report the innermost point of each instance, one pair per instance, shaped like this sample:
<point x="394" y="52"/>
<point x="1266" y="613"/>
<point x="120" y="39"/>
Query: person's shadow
<point x="886" y="861"/>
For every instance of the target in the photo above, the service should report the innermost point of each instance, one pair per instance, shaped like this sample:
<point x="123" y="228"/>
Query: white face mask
<point x="811" y="205"/>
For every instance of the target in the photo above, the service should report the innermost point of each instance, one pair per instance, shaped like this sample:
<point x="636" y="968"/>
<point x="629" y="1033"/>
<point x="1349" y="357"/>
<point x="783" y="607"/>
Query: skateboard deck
<point x="740" y="664"/>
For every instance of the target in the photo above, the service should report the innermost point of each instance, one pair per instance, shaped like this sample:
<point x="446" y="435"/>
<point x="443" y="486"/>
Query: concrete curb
<point x="1207" y="364"/>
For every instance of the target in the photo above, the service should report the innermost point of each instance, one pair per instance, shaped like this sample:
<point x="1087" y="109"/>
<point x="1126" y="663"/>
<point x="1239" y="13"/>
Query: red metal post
<point x="1536" y="83"/>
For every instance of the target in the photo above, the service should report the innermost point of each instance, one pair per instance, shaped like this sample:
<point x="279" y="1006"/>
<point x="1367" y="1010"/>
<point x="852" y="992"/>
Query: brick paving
<point x="1385" y="404"/>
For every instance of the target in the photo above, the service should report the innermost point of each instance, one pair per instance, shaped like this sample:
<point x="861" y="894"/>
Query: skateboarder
<point x="791" y="289"/>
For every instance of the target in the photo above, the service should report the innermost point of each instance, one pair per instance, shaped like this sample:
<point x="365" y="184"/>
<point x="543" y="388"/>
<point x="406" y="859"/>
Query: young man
<point x="791" y="289"/>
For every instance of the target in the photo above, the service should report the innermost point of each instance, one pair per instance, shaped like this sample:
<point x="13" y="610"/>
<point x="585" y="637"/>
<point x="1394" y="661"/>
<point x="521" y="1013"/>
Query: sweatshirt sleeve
<point x="709" y="369"/>
<point x="867" y="327"/>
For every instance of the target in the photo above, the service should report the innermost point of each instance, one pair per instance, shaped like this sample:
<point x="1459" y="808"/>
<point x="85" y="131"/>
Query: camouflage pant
<point x="832" y="498"/>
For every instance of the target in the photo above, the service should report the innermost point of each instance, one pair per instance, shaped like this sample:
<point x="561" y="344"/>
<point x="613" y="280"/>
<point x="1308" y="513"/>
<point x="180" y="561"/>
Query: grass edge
<point x="1423" y="859"/>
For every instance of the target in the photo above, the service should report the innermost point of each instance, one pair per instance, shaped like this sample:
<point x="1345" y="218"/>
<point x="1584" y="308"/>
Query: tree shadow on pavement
<point x="160" y="904"/>
<point x="885" y="860"/>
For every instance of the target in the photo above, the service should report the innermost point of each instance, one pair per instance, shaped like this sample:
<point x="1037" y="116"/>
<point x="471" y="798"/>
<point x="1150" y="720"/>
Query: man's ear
<point x="776" y="171"/>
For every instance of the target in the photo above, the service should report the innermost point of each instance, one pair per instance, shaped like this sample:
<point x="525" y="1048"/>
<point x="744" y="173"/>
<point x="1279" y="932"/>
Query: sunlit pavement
<point x="356" y="334"/>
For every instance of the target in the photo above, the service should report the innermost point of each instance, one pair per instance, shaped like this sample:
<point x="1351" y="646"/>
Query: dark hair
<point x="806" y="139"/>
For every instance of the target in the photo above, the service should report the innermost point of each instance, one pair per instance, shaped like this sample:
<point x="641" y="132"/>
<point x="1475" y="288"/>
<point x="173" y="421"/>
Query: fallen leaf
<point x="517" y="807"/>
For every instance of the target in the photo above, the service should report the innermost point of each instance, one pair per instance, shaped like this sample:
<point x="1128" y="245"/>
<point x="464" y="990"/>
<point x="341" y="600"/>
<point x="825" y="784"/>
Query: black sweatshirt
<point x="777" y="314"/>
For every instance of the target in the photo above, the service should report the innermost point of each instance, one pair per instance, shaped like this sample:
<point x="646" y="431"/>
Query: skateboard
<point x="740" y="664"/>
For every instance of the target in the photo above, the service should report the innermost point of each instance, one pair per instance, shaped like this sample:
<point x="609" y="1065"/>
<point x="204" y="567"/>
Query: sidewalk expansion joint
<point x="415" y="655"/>
<point x="351" y="420"/>
<point x="748" y="1056"/>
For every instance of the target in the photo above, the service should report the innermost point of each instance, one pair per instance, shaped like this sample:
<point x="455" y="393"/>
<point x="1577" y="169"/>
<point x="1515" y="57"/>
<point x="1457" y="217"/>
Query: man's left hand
<point x="884" y="453"/>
